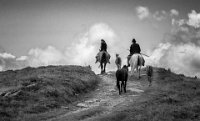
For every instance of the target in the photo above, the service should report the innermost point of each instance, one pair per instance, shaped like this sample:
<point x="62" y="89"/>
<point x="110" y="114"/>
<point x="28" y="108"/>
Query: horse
<point x="136" y="62"/>
<point x="122" y="76"/>
<point x="103" y="57"/>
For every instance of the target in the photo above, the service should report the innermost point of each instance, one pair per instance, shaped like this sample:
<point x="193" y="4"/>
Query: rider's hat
<point x="102" y="40"/>
<point x="133" y="40"/>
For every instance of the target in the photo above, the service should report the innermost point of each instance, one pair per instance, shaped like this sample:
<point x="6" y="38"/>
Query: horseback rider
<point x="134" y="48"/>
<point x="103" y="45"/>
<point x="103" y="48"/>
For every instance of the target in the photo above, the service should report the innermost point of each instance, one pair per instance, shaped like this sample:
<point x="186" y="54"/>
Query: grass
<point x="83" y="115"/>
<point x="35" y="91"/>
<point x="38" y="90"/>
<point x="171" y="98"/>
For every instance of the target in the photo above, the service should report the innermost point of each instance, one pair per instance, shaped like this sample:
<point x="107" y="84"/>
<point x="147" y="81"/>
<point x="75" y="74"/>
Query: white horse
<point x="136" y="62"/>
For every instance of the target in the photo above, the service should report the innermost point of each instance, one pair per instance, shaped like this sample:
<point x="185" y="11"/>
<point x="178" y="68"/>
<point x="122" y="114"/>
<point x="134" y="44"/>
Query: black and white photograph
<point x="99" y="60"/>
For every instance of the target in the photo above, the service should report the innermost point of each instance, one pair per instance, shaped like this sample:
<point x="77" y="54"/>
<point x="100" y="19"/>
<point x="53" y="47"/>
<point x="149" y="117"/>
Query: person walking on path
<point x="118" y="62"/>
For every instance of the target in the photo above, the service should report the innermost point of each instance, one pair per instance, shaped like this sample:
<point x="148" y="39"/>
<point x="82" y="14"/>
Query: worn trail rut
<point x="105" y="99"/>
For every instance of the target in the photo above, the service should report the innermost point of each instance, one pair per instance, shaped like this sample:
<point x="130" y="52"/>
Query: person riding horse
<point x="103" y="45"/>
<point x="103" y="48"/>
<point x="103" y="57"/>
<point x="135" y="48"/>
<point x="135" y="59"/>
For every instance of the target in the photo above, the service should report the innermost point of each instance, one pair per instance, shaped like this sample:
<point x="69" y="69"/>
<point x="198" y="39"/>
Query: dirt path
<point x="105" y="99"/>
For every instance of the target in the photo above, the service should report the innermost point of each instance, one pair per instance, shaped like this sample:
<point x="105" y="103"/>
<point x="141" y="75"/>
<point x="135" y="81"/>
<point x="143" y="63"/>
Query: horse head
<point x="125" y="67"/>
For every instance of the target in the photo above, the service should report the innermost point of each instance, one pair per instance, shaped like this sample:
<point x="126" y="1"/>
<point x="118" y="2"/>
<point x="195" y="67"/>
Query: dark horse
<point x="103" y="58"/>
<point x="103" y="62"/>
<point x="122" y="76"/>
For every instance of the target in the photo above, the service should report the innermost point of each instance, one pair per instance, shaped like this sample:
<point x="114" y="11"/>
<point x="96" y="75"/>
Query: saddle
<point x="140" y="59"/>
<point x="99" y="56"/>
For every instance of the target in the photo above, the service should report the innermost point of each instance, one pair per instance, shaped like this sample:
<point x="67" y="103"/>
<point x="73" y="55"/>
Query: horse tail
<point x="141" y="60"/>
<point x="138" y="60"/>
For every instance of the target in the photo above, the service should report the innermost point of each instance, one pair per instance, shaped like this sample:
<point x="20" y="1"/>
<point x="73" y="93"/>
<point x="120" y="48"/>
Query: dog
<point x="149" y="73"/>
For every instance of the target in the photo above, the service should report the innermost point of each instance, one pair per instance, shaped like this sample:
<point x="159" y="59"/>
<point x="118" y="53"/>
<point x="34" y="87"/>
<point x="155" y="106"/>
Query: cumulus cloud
<point x="7" y="55"/>
<point x="194" y="19"/>
<point x="35" y="57"/>
<point x="82" y="51"/>
<point x="184" y="58"/>
<point x="158" y="54"/>
<point x="174" y="12"/>
<point x="180" y="51"/>
<point x="160" y="15"/>
<point x="22" y="58"/>
<point x="9" y="62"/>
<point x="44" y="57"/>
<point x="178" y="22"/>
<point x="88" y="45"/>
<point x="101" y="30"/>
<point x="142" y="12"/>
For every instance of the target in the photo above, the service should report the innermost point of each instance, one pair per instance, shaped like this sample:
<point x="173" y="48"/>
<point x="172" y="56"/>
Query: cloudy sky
<point x="61" y="32"/>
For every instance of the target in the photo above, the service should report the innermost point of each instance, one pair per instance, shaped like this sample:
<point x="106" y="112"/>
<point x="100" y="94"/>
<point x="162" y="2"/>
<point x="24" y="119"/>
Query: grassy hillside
<point x="37" y="90"/>
<point x="172" y="97"/>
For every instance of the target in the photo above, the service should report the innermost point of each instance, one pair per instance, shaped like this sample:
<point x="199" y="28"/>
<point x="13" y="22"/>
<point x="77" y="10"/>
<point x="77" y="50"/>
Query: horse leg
<point x="149" y="80"/>
<point x="139" y="72"/>
<point x="118" y="86"/>
<point x="125" y="86"/>
<point x="132" y="70"/>
<point x="104" y="68"/>
<point x="128" y="62"/>
<point x="122" y="86"/>
<point x="101" y="68"/>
